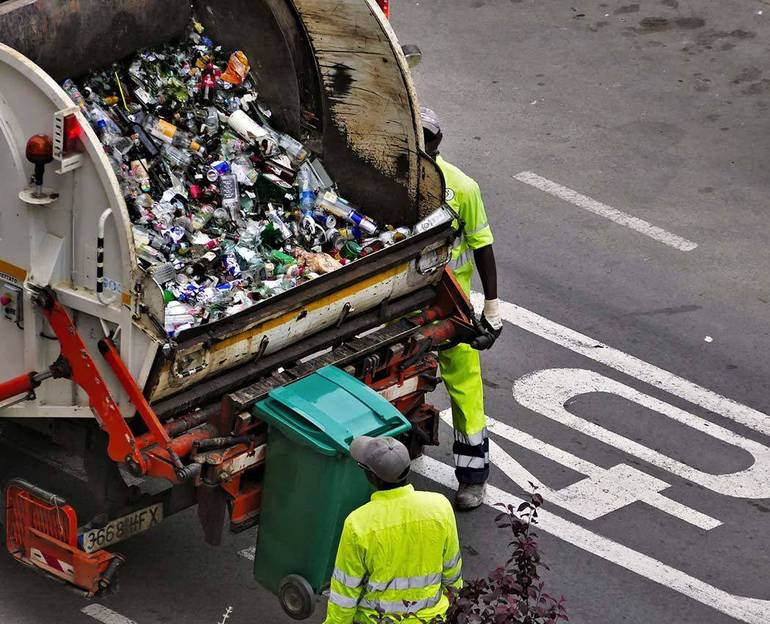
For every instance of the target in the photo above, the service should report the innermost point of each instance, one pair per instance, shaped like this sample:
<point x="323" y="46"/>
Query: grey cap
<point x="385" y="457"/>
<point x="430" y="120"/>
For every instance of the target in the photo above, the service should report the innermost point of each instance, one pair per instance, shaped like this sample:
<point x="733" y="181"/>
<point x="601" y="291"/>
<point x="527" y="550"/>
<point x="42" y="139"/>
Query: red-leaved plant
<point x="513" y="593"/>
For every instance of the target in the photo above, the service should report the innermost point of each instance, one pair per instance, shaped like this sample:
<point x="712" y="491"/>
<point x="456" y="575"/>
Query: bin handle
<point x="373" y="399"/>
<point x="305" y="409"/>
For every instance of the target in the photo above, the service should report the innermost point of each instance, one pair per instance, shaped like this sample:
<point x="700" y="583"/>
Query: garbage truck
<point x="232" y="417"/>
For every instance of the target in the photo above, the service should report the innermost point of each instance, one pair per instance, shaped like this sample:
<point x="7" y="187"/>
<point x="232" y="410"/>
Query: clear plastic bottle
<point x="76" y="96"/>
<point x="291" y="146"/>
<point x="103" y="121"/>
<point x="176" y="157"/>
<point x="306" y="193"/>
<point x="144" y="247"/>
<point x="279" y="224"/>
<point x="231" y="197"/>
<point x="245" y="171"/>
<point x="169" y="133"/>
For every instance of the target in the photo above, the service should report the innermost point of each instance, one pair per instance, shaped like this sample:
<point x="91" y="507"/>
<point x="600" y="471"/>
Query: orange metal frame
<point x="162" y="460"/>
<point x="43" y="534"/>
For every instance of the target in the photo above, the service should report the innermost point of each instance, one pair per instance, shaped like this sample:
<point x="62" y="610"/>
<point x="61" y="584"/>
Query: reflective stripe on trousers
<point x="471" y="460"/>
<point x="461" y="370"/>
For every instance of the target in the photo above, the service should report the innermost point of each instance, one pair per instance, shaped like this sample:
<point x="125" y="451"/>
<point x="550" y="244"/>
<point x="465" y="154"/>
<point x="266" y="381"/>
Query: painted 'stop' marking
<point x="603" y="210"/>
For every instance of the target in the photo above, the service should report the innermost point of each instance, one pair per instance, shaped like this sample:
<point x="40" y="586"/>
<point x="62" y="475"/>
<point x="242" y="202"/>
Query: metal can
<point x="217" y="169"/>
<point x="326" y="220"/>
<point x="334" y="239"/>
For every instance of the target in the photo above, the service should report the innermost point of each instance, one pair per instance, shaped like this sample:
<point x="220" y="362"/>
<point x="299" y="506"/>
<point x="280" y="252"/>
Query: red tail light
<point x="385" y="6"/>
<point x="72" y="135"/>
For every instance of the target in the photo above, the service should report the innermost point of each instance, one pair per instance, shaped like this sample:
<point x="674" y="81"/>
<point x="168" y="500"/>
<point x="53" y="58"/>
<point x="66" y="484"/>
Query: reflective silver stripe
<point x="342" y="601"/>
<point x="400" y="607"/>
<point x="477" y="230"/>
<point x="462" y="260"/>
<point x="477" y="439"/>
<point x="455" y="577"/>
<point x="353" y="582"/>
<point x="413" y="582"/>
<point x="463" y="461"/>
<point x="455" y="560"/>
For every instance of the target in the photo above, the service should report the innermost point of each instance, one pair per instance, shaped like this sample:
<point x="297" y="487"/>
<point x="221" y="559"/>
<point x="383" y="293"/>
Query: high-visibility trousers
<point x="461" y="371"/>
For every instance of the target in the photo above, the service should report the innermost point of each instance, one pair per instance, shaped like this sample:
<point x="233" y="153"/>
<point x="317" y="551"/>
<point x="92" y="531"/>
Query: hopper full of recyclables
<point x="117" y="397"/>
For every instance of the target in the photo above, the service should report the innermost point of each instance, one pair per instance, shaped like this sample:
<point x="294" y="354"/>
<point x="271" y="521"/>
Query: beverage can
<point x="217" y="169"/>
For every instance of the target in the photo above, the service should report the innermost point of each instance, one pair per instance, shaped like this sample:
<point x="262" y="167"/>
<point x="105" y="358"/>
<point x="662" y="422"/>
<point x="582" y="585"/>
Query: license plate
<point x="122" y="528"/>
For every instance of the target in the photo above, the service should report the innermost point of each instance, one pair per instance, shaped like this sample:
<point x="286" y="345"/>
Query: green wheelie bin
<point x="311" y="483"/>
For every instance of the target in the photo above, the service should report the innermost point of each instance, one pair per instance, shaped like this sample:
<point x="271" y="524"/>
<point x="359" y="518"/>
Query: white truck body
<point x="55" y="244"/>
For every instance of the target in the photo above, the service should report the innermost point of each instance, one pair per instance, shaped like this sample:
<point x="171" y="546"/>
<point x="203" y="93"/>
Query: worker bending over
<point x="461" y="365"/>
<point x="402" y="546"/>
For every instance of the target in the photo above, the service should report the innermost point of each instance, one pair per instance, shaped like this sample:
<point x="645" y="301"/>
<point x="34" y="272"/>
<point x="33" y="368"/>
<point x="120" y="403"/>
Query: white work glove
<point x="491" y="326"/>
<point x="492" y="314"/>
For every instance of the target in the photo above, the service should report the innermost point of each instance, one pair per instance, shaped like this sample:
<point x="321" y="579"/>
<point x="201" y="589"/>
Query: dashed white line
<point x="107" y="616"/>
<point x="603" y="210"/>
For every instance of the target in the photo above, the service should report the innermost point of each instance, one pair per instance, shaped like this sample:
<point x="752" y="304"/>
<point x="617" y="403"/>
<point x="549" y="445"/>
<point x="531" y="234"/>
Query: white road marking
<point x="749" y="610"/>
<point x="603" y="210"/>
<point x="248" y="553"/>
<point x="604" y="491"/>
<point x="548" y="391"/>
<point x="107" y="616"/>
<point x="630" y="365"/>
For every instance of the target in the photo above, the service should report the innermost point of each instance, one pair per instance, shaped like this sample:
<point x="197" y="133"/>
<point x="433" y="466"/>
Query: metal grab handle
<point x="100" y="260"/>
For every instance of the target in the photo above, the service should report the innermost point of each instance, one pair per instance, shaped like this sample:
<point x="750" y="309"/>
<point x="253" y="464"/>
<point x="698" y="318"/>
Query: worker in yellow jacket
<point x="461" y="365"/>
<point x="401" y="547"/>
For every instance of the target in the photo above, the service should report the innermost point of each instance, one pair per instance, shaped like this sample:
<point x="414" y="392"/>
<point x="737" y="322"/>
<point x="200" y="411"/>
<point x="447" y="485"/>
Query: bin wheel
<point x="297" y="597"/>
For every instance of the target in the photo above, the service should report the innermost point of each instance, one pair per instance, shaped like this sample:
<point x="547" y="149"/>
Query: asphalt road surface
<point x="623" y="152"/>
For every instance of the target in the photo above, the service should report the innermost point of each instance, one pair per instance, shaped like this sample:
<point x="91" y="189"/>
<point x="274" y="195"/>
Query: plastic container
<point x="311" y="483"/>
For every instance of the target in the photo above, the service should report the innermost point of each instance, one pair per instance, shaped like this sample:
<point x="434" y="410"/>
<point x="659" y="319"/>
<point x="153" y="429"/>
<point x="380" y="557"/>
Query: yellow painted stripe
<point x="165" y="374"/>
<point x="15" y="272"/>
<point x="315" y="305"/>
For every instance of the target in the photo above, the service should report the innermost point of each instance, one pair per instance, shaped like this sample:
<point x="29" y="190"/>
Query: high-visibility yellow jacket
<point x="401" y="546"/>
<point x="464" y="196"/>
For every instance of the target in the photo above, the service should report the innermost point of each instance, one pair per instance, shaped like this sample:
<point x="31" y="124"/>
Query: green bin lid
<point x="328" y="409"/>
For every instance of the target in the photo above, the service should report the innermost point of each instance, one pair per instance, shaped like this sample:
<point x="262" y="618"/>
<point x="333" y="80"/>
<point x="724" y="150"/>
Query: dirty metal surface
<point x="72" y="37"/>
<point x="211" y="390"/>
<point x="340" y="356"/>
